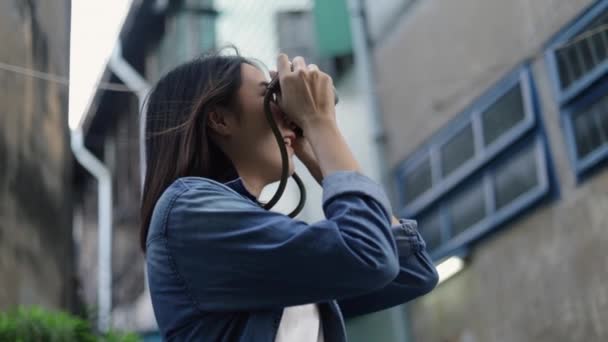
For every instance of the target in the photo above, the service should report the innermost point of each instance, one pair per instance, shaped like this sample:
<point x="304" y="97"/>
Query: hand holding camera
<point x="307" y="95"/>
<point x="308" y="99"/>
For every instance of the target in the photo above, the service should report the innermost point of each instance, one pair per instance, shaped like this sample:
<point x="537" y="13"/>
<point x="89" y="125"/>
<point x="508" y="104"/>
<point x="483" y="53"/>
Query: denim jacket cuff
<point x="343" y="182"/>
<point x="407" y="237"/>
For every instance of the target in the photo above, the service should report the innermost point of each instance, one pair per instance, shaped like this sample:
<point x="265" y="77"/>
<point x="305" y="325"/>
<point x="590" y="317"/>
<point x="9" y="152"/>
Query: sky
<point x="94" y="29"/>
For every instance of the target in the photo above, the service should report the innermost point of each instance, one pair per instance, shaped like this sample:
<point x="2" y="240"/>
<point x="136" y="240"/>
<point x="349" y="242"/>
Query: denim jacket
<point x="221" y="268"/>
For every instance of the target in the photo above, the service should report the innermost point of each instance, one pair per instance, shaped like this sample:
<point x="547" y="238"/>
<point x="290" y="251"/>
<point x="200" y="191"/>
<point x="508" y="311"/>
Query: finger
<point x="313" y="67"/>
<point x="283" y="66"/>
<point x="299" y="63"/>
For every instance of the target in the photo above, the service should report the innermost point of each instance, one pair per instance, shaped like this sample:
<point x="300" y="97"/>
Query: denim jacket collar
<point x="238" y="186"/>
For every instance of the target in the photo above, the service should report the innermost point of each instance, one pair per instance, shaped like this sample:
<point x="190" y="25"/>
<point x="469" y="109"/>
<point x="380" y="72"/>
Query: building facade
<point x="497" y="140"/>
<point x="36" y="249"/>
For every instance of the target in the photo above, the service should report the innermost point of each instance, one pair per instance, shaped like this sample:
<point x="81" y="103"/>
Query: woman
<point x="220" y="267"/>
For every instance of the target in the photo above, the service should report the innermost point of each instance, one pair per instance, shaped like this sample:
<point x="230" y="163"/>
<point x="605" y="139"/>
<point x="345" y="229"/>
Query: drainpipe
<point x="366" y="83"/>
<point x="104" y="178"/>
<point x="367" y="88"/>
<point x="104" y="217"/>
<point x="140" y="87"/>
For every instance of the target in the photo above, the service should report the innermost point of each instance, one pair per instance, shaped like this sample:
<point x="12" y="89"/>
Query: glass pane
<point x="457" y="151"/>
<point x="429" y="226"/>
<point x="516" y="177"/>
<point x="503" y="115"/>
<point x="467" y="208"/>
<point x="598" y="46"/>
<point x="602" y="19"/>
<point x="418" y="180"/>
<point x="566" y="74"/>
<point x="572" y="58"/>
<point x="583" y="53"/>
<point x="587" y="60"/>
<point x="587" y="134"/>
<point x="602" y="116"/>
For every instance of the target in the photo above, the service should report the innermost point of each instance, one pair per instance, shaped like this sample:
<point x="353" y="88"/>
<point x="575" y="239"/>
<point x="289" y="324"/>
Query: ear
<point x="219" y="123"/>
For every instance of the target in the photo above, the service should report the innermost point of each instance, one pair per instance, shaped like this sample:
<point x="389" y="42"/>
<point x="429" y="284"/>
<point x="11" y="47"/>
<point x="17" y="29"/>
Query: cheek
<point x="260" y="136"/>
<point x="256" y="136"/>
<point x="253" y="119"/>
<point x="257" y="140"/>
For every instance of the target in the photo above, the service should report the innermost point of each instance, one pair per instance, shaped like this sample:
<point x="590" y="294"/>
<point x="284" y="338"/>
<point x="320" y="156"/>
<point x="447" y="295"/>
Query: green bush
<point x="36" y="324"/>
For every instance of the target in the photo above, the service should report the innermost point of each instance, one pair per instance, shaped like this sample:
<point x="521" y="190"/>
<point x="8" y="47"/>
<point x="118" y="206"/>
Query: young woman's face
<point x="257" y="146"/>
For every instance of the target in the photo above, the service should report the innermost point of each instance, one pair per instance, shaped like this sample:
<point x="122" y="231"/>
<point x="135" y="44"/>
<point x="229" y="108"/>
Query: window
<point x="578" y="61"/>
<point x="485" y="167"/>
<point x="466" y="208"/>
<point x="478" y="135"/>
<point x="419" y="179"/>
<point x="430" y="228"/>
<point x="496" y="194"/>
<point x="515" y="178"/>
<point x="586" y="122"/>
<point x="503" y="115"/>
<point x="578" y="58"/>
<point x="457" y="151"/>
<point x="590" y="127"/>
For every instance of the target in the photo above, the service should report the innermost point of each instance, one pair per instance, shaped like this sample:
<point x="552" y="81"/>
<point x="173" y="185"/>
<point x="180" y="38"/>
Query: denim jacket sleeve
<point x="233" y="255"/>
<point x="417" y="275"/>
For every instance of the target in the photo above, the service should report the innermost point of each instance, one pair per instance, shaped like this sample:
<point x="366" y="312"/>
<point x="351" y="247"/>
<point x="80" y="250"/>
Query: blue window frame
<point x="485" y="167"/>
<point x="578" y="65"/>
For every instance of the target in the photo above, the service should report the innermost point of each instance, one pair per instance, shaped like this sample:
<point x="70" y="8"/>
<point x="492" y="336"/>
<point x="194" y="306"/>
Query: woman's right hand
<point x="307" y="95"/>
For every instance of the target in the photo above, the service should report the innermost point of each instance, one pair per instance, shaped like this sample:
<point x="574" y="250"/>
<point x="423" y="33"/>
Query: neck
<point x="252" y="182"/>
<point x="247" y="170"/>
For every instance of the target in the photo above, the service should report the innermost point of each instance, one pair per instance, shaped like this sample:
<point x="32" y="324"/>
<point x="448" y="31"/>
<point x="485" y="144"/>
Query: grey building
<point x="156" y="36"/>
<point x="497" y="131"/>
<point x="36" y="249"/>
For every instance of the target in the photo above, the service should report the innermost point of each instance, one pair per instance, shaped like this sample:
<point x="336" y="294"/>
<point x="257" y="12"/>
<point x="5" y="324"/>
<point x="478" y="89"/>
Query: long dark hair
<point x="177" y="137"/>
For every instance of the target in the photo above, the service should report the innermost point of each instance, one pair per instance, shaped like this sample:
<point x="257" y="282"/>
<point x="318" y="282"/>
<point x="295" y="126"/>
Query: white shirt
<point x="300" y="323"/>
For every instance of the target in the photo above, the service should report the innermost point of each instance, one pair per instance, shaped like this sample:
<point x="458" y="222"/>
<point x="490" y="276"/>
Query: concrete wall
<point x="383" y="14"/>
<point x="543" y="277"/>
<point x="36" y="261"/>
<point x="446" y="53"/>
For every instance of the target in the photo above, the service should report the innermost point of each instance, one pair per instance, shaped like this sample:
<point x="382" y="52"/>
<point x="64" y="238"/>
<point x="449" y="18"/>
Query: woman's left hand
<point x="304" y="152"/>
